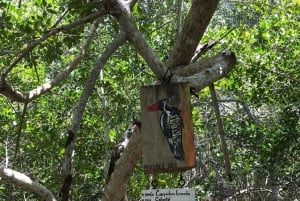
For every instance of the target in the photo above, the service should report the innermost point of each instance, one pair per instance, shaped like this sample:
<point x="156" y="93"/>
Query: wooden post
<point x="167" y="128"/>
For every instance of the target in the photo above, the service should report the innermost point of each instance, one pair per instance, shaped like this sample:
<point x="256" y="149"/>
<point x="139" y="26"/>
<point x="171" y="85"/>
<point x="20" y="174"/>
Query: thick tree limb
<point x="121" y="11"/>
<point x="124" y="167"/>
<point x="210" y="75"/>
<point x="14" y="95"/>
<point x="77" y="117"/>
<point x="120" y="147"/>
<point x="197" y="67"/>
<point x="193" y="29"/>
<point x="26" y="183"/>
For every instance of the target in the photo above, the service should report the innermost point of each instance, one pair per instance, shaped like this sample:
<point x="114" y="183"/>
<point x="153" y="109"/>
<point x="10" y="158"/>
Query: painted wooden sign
<point x="167" y="129"/>
<point x="176" y="194"/>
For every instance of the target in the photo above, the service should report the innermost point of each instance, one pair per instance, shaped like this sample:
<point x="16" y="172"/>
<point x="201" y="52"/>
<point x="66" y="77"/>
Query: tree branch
<point x="122" y="12"/>
<point x="216" y="67"/>
<point x="207" y="46"/>
<point x="197" y="67"/>
<point x="5" y="52"/>
<point x="179" y="17"/>
<point x="61" y="17"/>
<point x="14" y="95"/>
<point x="247" y="191"/>
<point x="78" y="113"/>
<point x="221" y="132"/>
<point x="47" y="34"/>
<point x="26" y="183"/>
<point x="193" y="29"/>
<point x="249" y="113"/>
<point x="210" y="75"/>
<point x="19" y="130"/>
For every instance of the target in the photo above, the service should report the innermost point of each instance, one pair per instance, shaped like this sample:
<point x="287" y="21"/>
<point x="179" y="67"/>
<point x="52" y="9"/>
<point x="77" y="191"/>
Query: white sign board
<point x="176" y="194"/>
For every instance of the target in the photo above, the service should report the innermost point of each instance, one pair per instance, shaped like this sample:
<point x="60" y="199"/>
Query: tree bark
<point x="124" y="167"/>
<point x="223" y="60"/>
<point x="210" y="75"/>
<point x="274" y="184"/>
<point x="121" y="11"/>
<point x="193" y="29"/>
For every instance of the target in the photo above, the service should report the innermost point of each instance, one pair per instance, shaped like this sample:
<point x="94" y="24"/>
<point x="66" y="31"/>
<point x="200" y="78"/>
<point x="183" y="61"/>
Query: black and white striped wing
<point x="171" y="126"/>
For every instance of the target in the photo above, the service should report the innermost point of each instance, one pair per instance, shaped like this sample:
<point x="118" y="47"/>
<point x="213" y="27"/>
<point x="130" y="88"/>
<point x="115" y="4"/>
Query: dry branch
<point x="197" y="67"/>
<point x="212" y="74"/>
<point x="221" y="132"/>
<point x="207" y="46"/>
<point x="5" y="52"/>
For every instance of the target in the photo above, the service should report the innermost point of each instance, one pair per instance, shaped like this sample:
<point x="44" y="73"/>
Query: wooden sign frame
<point x="167" y="128"/>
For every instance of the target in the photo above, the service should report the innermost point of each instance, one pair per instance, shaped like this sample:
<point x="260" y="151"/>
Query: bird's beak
<point x="154" y="107"/>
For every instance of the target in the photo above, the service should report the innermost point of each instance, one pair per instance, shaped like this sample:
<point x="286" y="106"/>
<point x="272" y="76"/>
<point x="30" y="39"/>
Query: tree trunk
<point x="123" y="167"/>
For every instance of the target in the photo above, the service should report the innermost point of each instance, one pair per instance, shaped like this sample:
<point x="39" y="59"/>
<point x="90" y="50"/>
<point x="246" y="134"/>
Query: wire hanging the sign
<point x="166" y="79"/>
<point x="181" y="181"/>
<point x="154" y="182"/>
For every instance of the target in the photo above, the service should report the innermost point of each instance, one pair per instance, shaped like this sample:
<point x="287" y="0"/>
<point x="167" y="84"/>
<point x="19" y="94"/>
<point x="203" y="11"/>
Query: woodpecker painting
<point x="171" y="125"/>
